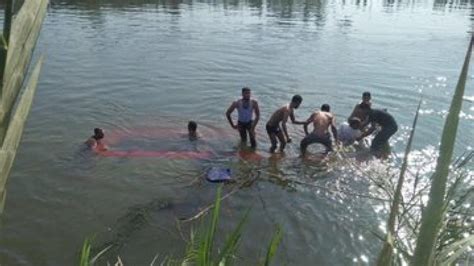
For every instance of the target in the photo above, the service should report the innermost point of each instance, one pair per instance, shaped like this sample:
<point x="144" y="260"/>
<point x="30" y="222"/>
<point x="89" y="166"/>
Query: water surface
<point x="142" y="69"/>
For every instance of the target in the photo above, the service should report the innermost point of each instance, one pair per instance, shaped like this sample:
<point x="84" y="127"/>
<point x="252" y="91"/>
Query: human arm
<point x="285" y="130"/>
<point x="257" y="115"/>
<point x="229" y="112"/>
<point x="293" y="119"/>
<point x="367" y="132"/>
<point x="306" y="123"/>
<point x="334" y="129"/>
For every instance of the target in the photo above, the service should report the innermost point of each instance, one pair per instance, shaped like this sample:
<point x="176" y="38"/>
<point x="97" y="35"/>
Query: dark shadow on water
<point x="281" y="8"/>
<point x="447" y="5"/>
<point x="152" y="214"/>
<point x="136" y="218"/>
<point x="287" y="9"/>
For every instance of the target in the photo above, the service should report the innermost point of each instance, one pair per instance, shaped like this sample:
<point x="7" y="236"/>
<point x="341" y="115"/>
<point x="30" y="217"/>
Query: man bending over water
<point x="281" y="115"/>
<point x="388" y="128"/>
<point x="322" y="121"/>
<point x="246" y="107"/>
<point x="95" y="141"/>
<point x="359" y="111"/>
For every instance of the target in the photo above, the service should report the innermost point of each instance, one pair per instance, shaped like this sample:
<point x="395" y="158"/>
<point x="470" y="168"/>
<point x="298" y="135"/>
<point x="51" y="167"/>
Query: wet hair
<point x="98" y="133"/>
<point x="366" y="94"/>
<point x="245" y="89"/>
<point x="297" y="99"/>
<point x="325" y="107"/>
<point x="192" y="126"/>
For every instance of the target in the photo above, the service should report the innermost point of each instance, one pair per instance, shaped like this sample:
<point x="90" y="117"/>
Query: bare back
<point x="279" y="115"/>
<point x="321" y="122"/>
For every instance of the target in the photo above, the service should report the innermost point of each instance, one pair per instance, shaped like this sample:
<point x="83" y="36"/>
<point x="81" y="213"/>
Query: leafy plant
<point x="201" y="249"/>
<point x="273" y="246"/>
<point x="85" y="257"/>
<point x="385" y="256"/>
<point x="435" y="210"/>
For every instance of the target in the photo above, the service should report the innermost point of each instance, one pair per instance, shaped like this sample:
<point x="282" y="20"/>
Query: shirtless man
<point x="246" y="107"/>
<point x="322" y="121"/>
<point x="280" y="116"/>
<point x="382" y="118"/>
<point x="359" y="110"/>
<point x="95" y="141"/>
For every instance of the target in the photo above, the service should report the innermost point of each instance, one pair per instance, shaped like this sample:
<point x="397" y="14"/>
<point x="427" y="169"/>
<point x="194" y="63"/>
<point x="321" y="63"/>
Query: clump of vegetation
<point x="439" y="230"/>
<point x="201" y="249"/>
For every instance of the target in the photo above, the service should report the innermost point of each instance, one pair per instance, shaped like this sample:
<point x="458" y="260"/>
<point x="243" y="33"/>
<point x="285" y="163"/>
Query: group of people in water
<point x="362" y="122"/>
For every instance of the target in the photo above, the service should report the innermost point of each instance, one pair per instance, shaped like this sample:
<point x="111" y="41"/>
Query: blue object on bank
<point x="218" y="174"/>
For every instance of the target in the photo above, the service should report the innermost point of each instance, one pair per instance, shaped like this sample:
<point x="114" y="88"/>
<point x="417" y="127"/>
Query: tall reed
<point x="201" y="249"/>
<point x="435" y="209"/>
<point x="385" y="256"/>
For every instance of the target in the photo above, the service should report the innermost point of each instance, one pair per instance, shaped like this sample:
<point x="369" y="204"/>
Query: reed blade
<point x="433" y="213"/>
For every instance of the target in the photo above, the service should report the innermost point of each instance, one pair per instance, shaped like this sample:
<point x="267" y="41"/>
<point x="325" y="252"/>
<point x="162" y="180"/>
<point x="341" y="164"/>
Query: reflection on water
<point x="143" y="69"/>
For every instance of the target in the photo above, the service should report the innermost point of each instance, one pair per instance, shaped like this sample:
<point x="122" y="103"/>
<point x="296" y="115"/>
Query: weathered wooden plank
<point x="6" y="161"/>
<point x="15" y="127"/>
<point x="15" y="130"/>
<point x="22" y="29"/>
<point x="7" y="23"/>
<point x="25" y="30"/>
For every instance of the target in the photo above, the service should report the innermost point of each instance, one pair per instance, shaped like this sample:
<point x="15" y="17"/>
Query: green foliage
<point x="435" y="211"/>
<point x="385" y="256"/>
<point x="85" y="256"/>
<point x="231" y="244"/>
<point x="451" y="253"/>
<point x="273" y="246"/>
<point x="85" y="253"/>
<point x="201" y="249"/>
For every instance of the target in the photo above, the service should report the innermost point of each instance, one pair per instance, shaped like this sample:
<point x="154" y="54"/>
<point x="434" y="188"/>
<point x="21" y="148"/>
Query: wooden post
<point x="5" y="38"/>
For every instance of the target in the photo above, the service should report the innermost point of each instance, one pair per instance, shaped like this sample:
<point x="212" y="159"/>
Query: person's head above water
<point x="354" y="123"/>
<point x="98" y="133"/>
<point x="296" y="101"/>
<point x="246" y="93"/>
<point x="366" y="97"/>
<point x="192" y="127"/>
<point x="325" y="107"/>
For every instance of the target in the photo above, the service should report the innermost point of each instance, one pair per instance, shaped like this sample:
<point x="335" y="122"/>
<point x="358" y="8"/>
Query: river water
<point x="142" y="69"/>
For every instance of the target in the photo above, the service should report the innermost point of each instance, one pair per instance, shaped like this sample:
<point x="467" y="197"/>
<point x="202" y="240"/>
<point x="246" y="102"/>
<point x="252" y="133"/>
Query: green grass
<point x="201" y="249"/>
